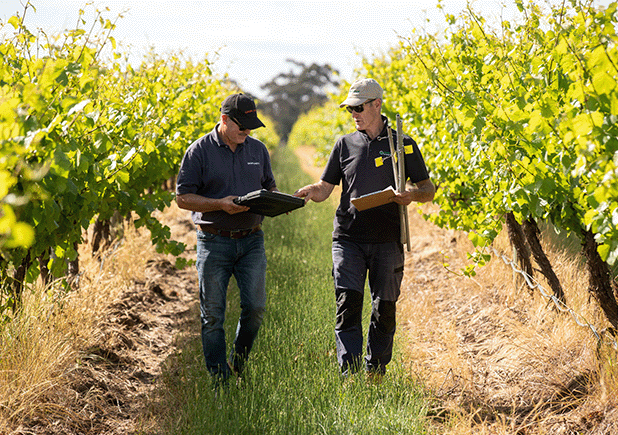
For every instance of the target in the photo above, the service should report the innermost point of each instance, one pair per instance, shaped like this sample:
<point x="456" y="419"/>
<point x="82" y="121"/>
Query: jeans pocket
<point x="205" y="237"/>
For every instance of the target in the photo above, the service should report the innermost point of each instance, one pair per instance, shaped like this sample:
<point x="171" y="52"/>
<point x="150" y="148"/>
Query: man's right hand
<point x="229" y="206"/>
<point x="317" y="192"/>
<point x="193" y="202"/>
<point x="304" y="192"/>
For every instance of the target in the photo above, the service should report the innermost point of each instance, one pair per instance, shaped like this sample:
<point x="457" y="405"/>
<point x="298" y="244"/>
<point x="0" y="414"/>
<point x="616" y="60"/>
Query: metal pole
<point x="403" y="210"/>
<point x="393" y="158"/>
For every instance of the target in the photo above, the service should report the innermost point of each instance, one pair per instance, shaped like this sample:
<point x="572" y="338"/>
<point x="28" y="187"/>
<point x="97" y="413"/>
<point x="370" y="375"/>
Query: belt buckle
<point x="236" y="234"/>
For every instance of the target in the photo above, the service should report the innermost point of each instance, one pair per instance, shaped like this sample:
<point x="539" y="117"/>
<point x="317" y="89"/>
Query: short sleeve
<point x="332" y="172"/>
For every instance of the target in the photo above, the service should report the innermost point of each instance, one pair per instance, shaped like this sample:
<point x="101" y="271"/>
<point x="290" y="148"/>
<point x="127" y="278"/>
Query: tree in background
<point x="293" y="93"/>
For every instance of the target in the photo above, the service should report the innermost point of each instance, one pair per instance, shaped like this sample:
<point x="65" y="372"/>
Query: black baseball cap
<point x="241" y="108"/>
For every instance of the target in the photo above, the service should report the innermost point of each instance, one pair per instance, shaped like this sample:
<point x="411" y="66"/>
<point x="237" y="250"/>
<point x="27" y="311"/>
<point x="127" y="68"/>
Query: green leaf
<point x="589" y="217"/>
<point x="15" y="22"/>
<point x="536" y="120"/>
<point x="123" y="175"/>
<point x="61" y="165"/>
<point x="603" y="251"/>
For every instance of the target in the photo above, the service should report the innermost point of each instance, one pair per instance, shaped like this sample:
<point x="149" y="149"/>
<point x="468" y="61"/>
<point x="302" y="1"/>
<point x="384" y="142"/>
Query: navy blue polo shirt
<point x="364" y="166"/>
<point x="209" y="168"/>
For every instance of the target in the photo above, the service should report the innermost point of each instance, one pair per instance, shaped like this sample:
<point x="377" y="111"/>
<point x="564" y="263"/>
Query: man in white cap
<point x="367" y="243"/>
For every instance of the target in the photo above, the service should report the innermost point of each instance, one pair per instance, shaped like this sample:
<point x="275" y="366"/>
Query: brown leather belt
<point x="232" y="234"/>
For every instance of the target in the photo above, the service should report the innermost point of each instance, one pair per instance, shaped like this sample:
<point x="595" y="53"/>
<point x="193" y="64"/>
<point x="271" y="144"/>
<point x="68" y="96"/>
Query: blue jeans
<point x="218" y="258"/>
<point x="352" y="262"/>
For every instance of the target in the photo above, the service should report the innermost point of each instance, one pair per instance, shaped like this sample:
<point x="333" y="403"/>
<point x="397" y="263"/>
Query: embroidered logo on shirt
<point x="408" y="149"/>
<point x="383" y="156"/>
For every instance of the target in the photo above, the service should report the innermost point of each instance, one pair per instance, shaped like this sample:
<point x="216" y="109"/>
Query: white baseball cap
<point x="361" y="91"/>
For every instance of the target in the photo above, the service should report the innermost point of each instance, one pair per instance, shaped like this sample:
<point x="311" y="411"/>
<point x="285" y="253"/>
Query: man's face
<point x="370" y="114"/>
<point x="233" y="132"/>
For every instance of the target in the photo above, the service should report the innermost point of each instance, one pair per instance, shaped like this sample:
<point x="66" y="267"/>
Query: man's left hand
<point x="403" y="198"/>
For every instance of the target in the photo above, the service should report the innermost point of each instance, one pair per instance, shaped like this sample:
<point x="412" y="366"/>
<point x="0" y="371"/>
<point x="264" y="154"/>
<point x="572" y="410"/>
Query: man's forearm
<point x="423" y="191"/>
<point x="193" y="202"/>
<point x="321" y="191"/>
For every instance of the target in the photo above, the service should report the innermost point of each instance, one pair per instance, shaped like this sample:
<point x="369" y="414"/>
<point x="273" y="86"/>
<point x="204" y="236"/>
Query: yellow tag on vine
<point x="409" y="149"/>
<point x="379" y="162"/>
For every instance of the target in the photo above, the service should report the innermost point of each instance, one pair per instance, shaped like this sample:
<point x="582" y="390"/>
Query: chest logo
<point x="384" y="155"/>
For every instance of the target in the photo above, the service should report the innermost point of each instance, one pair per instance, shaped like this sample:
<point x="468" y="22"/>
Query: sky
<point x="250" y="41"/>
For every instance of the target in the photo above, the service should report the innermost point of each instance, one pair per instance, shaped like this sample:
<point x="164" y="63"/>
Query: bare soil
<point x="114" y="382"/>
<point x="458" y="334"/>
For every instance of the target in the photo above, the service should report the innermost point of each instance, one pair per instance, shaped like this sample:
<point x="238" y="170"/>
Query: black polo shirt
<point x="364" y="166"/>
<point x="209" y="168"/>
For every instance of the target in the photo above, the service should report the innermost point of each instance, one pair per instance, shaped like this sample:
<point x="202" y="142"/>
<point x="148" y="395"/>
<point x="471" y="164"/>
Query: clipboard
<point x="374" y="199"/>
<point x="269" y="203"/>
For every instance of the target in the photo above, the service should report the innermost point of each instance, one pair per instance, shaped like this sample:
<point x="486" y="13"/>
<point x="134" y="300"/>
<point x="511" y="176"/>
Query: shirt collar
<point x="383" y="134"/>
<point x="218" y="139"/>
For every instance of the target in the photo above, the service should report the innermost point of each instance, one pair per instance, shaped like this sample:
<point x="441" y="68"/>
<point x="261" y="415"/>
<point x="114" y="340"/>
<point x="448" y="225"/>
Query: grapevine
<point x="83" y="137"/>
<point x="517" y="120"/>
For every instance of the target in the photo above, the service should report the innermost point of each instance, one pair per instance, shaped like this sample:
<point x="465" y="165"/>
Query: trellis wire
<point x="561" y="306"/>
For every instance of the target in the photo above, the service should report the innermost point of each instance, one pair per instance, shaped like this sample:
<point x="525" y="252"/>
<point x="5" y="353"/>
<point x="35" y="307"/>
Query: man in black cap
<point x="216" y="169"/>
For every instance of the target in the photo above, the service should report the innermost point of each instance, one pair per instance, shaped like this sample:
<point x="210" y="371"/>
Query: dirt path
<point x="116" y="378"/>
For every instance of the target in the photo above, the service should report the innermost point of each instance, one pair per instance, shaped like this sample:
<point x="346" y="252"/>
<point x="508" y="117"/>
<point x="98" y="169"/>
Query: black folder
<point x="269" y="203"/>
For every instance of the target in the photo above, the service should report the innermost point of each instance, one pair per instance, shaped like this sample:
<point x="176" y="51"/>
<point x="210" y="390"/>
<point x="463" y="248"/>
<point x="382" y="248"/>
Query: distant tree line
<point x="293" y="93"/>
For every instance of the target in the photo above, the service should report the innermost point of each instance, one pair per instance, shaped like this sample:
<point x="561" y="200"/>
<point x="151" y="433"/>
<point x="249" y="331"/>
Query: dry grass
<point x="85" y="361"/>
<point x="45" y="344"/>
<point x="497" y="357"/>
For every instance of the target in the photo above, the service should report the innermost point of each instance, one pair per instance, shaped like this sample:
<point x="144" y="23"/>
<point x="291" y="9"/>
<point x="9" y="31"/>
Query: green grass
<point x="292" y="385"/>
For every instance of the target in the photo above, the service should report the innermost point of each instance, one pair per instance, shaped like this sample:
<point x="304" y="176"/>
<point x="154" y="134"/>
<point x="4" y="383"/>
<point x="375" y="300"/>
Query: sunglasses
<point x="240" y="126"/>
<point x="358" y="109"/>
